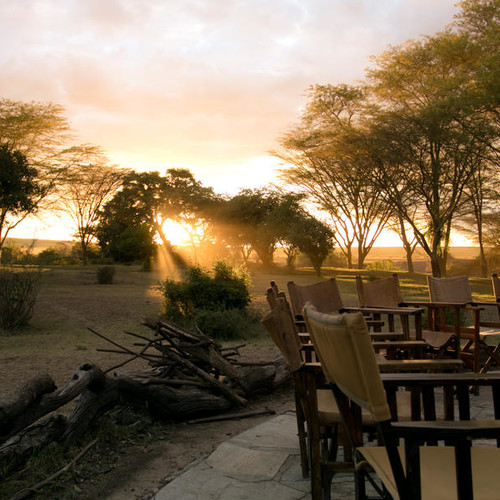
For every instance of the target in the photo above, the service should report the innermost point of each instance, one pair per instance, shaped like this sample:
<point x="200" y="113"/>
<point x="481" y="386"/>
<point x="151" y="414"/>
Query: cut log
<point x="16" y="450"/>
<point x="93" y="402"/>
<point x="171" y="403"/>
<point x="29" y="394"/>
<point x="85" y="376"/>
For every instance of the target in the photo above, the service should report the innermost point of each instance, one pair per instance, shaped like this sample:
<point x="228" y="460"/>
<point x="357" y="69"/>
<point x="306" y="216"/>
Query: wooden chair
<point x="414" y="471"/>
<point x="318" y="418"/>
<point x="454" y="294"/>
<point x="325" y="296"/>
<point x="383" y="298"/>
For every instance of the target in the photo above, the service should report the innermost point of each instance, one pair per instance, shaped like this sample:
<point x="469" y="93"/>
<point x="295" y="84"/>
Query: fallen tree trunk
<point x="172" y="403"/>
<point x="29" y="394"/>
<point x="190" y="377"/>
<point x="21" y="415"/>
<point x="16" y="450"/>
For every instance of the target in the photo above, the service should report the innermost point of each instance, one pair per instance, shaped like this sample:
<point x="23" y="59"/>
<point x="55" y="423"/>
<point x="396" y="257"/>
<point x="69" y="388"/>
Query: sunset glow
<point x="208" y="85"/>
<point x="176" y="233"/>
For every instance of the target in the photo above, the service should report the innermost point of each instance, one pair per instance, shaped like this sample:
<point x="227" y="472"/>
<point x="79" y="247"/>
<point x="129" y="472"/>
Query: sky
<point x="208" y="85"/>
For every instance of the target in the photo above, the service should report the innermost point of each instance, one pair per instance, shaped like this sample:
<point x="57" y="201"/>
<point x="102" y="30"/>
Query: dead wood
<point x="190" y="377"/>
<point x="85" y="376"/>
<point x="171" y="403"/>
<point x="29" y="394"/>
<point x="93" y="402"/>
<point x="16" y="450"/>
<point x="27" y="492"/>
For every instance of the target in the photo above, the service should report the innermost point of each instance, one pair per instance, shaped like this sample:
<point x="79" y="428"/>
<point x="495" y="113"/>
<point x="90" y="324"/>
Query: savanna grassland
<point x="136" y="457"/>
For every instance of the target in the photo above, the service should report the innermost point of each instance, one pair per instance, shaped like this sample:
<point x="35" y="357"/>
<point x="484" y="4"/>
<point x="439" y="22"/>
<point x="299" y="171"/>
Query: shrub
<point x="18" y="293"/>
<point x="225" y="325"/>
<point x="215" y="300"/>
<point x="222" y="289"/>
<point x="105" y="275"/>
<point x="381" y="265"/>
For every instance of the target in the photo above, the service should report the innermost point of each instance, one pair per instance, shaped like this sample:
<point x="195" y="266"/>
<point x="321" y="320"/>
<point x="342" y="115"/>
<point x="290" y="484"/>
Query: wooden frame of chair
<point x="344" y="347"/>
<point x="455" y="294"/>
<point x="325" y="296"/>
<point x="494" y="351"/>
<point x="319" y="436"/>
<point x="383" y="297"/>
<point x="318" y="419"/>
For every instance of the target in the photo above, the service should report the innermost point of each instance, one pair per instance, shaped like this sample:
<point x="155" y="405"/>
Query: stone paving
<point x="264" y="463"/>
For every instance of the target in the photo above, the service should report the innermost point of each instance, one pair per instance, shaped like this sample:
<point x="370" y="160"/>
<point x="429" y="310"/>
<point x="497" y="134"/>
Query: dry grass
<point x="70" y="302"/>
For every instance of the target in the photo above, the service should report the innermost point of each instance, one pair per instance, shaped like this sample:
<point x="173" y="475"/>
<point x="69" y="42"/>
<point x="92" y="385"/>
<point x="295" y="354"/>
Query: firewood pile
<point x="189" y="377"/>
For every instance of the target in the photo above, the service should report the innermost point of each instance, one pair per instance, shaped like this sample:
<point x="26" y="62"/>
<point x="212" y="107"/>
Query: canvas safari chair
<point x="454" y="294"/>
<point x="325" y="296"/>
<point x="489" y="330"/>
<point x="383" y="298"/>
<point x="318" y="419"/>
<point x="421" y="468"/>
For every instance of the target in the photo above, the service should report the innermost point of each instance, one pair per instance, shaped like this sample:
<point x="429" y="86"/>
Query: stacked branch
<point x="190" y="377"/>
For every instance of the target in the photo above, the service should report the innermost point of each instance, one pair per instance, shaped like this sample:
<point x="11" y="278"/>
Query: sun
<point x="176" y="233"/>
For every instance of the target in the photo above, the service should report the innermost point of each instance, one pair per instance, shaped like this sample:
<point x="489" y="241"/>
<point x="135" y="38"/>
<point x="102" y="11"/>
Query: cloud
<point x="211" y="83"/>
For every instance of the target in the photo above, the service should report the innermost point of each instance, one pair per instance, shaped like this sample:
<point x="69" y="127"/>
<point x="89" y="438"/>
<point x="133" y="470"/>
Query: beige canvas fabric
<point x="456" y="289"/>
<point x="438" y="476"/>
<point x="379" y="293"/>
<point x="344" y="347"/>
<point x="495" y="282"/>
<point x="281" y="328"/>
<point x="323" y="295"/>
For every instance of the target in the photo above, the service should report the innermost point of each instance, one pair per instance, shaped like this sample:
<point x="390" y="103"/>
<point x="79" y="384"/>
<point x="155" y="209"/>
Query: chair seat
<point x="438" y="471"/>
<point x="436" y="339"/>
<point x="493" y="335"/>
<point x="329" y="414"/>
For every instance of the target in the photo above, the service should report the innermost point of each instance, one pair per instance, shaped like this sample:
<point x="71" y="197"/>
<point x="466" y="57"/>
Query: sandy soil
<point x="138" y="465"/>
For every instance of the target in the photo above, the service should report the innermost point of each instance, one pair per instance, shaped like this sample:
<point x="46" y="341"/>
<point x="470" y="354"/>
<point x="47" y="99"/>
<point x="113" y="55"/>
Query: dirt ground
<point x="138" y="464"/>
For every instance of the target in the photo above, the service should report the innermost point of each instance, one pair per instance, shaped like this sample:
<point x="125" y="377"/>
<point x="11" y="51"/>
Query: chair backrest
<point x="456" y="289"/>
<point x="323" y="295"/>
<point x="495" y="281"/>
<point x="280" y="325"/>
<point x="384" y="292"/>
<point x="343" y="345"/>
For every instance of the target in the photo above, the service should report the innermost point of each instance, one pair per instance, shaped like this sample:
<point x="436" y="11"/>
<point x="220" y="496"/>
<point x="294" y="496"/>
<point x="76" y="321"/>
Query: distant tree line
<point x="413" y="148"/>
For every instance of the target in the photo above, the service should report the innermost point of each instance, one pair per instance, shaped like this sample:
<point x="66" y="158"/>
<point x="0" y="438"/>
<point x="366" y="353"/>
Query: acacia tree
<point x="89" y="182"/>
<point x="417" y="151"/>
<point x="299" y="232"/>
<point x="40" y="133"/>
<point x="324" y="166"/>
<point x="246" y="221"/>
<point x="19" y="190"/>
<point x="478" y="24"/>
<point x="190" y="204"/>
<point x="149" y="199"/>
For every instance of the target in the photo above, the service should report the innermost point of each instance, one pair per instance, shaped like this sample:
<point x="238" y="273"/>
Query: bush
<point x="215" y="300"/>
<point x="381" y="265"/>
<point x="222" y="289"/>
<point x="18" y="293"/>
<point x="105" y="275"/>
<point x="225" y="325"/>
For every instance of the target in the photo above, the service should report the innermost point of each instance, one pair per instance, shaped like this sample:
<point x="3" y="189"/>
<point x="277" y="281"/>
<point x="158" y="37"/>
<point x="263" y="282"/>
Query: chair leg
<point x="493" y="356"/>
<point x="301" y="431"/>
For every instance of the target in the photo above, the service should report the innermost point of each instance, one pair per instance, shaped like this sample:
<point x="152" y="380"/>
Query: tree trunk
<point x="15" y="451"/>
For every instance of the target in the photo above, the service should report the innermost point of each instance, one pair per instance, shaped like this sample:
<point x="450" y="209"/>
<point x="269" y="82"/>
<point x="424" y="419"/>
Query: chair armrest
<point x="460" y="378"/>
<point x="419" y="365"/>
<point x="402" y="311"/>
<point x="448" y="429"/>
